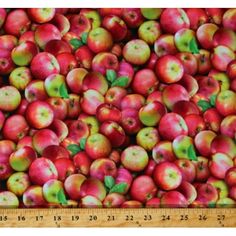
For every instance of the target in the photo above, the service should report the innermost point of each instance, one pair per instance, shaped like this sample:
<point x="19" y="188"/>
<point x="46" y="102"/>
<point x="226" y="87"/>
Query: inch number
<point x="183" y="217"/>
<point x="38" y="218"/>
<point x="129" y="217"/>
<point x="165" y="217"/>
<point x="147" y="217"/>
<point x="57" y="218"/>
<point x="93" y="218"/>
<point x="220" y="217"/>
<point x="20" y="218"/>
<point x="110" y="218"/>
<point x="75" y="218"/>
<point x="3" y="218"/>
<point x="202" y="217"/>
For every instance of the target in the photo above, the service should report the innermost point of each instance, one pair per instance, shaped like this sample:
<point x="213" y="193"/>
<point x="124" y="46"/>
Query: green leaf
<point x="193" y="46"/>
<point x="84" y="37"/>
<point x="121" y="82"/>
<point x="109" y="181"/>
<point x="119" y="188"/>
<point x="205" y="105"/>
<point x="111" y="75"/>
<point x="76" y="43"/>
<point x="191" y="153"/>
<point x="213" y="100"/>
<point x="82" y="143"/>
<point x="61" y="197"/>
<point x="63" y="91"/>
<point x="74" y="148"/>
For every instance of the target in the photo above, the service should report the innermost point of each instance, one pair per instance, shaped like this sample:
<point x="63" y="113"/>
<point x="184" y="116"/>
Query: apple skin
<point x="153" y="203"/>
<point x="82" y="163"/>
<point x="41" y="15"/>
<point x="147" y="138"/>
<point x="108" y="112"/>
<point x="33" y="197"/>
<point x="3" y="15"/>
<point x="65" y="167"/>
<point x="16" y="28"/>
<point x="8" y="200"/>
<point x="91" y="121"/>
<point x="202" y="169"/>
<point x="131" y="204"/>
<point x="84" y="57"/>
<point x="58" y="152"/>
<point x="173" y="199"/>
<point x="204" y="61"/>
<point x="197" y="17"/>
<point x="229" y="19"/>
<point x="97" y="146"/>
<point x="124" y="176"/>
<point x="225" y="203"/>
<point x="73" y="184"/>
<point x="59" y="107"/>
<point x="132" y="17"/>
<point x="93" y="17"/>
<point x="228" y="126"/>
<point x="143" y="188"/>
<point x="169" y="69"/>
<point x="60" y="129"/>
<point x="73" y="105"/>
<point x="2" y="119"/>
<point x="220" y="185"/>
<point x="176" y="124"/>
<point x="212" y="119"/>
<point x="5" y="168"/>
<point x="17" y="183"/>
<point x="215" y="14"/>
<point x="174" y="19"/>
<point x="99" y="40"/>
<point x="42" y="170"/>
<point x="103" y="167"/>
<point x="90" y="202"/>
<point x="151" y="13"/>
<point x="231" y="70"/>
<point x="56" y="47"/>
<point x="133" y="101"/>
<point x="230" y="176"/>
<point x="136" y="52"/>
<point x="39" y="114"/>
<point x="10" y="98"/>
<point x="35" y="90"/>
<point x="219" y="164"/>
<point x="21" y="159"/>
<point x="232" y="192"/>
<point x="93" y="187"/>
<point x="167" y="176"/>
<point x="67" y="62"/>
<point x="113" y="200"/>
<point x="61" y="22"/>
<point x="188" y="190"/>
<point x="127" y="70"/>
<point x="15" y="128"/>
<point x="114" y="96"/>
<point x="27" y="36"/>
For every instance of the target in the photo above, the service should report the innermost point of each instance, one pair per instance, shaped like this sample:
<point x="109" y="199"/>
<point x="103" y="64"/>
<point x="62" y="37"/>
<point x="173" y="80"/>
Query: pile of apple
<point x="117" y="107"/>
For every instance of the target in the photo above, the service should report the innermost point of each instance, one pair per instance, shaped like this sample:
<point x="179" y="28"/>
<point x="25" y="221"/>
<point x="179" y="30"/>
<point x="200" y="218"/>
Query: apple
<point x="91" y="121"/>
<point x="84" y="57"/>
<point x="225" y="203"/>
<point x="133" y="101"/>
<point x="56" y="47"/>
<point x="113" y="200"/>
<point x="67" y="62"/>
<point x="230" y="176"/>
<point x="114" y="96"/>
<point x="232" y="192"/>
<point x="124" y="176"/>
<point x="8" y="200"/>
<point x="228" y="19"/>
<point x="204" y="61"/>
<point x="173" y="199"/>
<point x="132" y="17"/>
<point x="90" y="202"/>
<point x="197" y="17"/>
<point x="212" y="119"/>
<point x="58" y="152"/>
<point x="60" y="129"/>
<point x="215" y="15"/>
<point x="73" y="105"/>
<point x="220" y="185"/>
<point x="59" y="107"/>
<point x="27" y="36"/>
<point x="188" y="190"/>
<point x="151" y="13"/>
<point x="3" y="14"/>
<point x="6" y="63"/>
<point x="202" y="169"/>
<point x="41" y="15"/>
<point x="82" y="163"/>
<point x="65" y="167"/>
<point x="126" y="70"/>
<point x="93" y="17"/>
<point x="5" y="168"/>
<point x="131" y="204"/>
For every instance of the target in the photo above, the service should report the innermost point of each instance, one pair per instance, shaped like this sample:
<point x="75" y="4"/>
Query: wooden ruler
<point x="118" y="217"/>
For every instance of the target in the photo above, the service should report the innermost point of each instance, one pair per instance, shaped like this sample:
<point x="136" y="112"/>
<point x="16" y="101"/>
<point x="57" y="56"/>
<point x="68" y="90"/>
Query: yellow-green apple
<point x="136" y="52"/>
<point x="197" y="17"/>
<point x="90" y="202"/>
<point x="176" y="126"/>
<point x="132" y="101"/>
<point x="225" y="203"/>
<point x="82" y="163"/>
<point x="41" y="15"/>
<point x="93" y="17"/>
<point x="204" y="61"/>
<point x="124" y="176"/>
<point x="153" y="203"/>
<point x="173" y="199"/>
<point x="93" y="187"/>
<point x="212" y="119"/>
<point x="39" y="114"/>
<point x="220" y="185"/>
<point x="46" y="32"/>
<point x="17" y="183"/>
<point x="91" y="100"/>
<point x="51" y="189"/>
<point x="116" y="26"/>
<point x="99" y="40"/>
<point x="58" y="152"/>
<point x="167" y="176"/>
<point x="132" y="17"/>
<point x="5" y="168"/>
<point x="84" y="57"/>
<point x="147" y="138"/>
<point x="169" y="69"/>
<point x="149" y="31"/>
<point x="67" y="62"/>
<point x="21" y="159"/>
<point x="131" y="204"/>
<point x="195" y="124"/>
<point x="114" y="96"/>
<point x="202" y="142"/>
<point x="229" y="19"/>
<point x="221" y="57"/>
<point x="8" y="200"/>
<point x="96" y="81"/>
<point x="74" y="79"/>
<point x="91" y="121"/>
<point x="230" y="176"/>
<point x="15" y="128"/>
<point x="188" y="190"/>
<point x="165" y="45"/>
<point x="59" y="107"/>
<point x="65" y="167"/>
<point x="174" y="19"/>
<point x="143" y="188"/>
<point x="57" y="46"/>
<point x="205" y="35"/>
<point x="151" y="13"/>
<point x="19" y="26"/>
<point x="113" y="200"/>
<point x="10" y="98"/>
<point x="73" y="105"/>
<point x="103" y="167"/>
<point x="23" y="54"/>
<point x="189" y="62"/>
<point x="20" y="78"/>
<point x="114" y="132"/>
<point x="97" y="146"/>
<point x="35" y="90"/>
<point x="73" y="184"/>
<point x="53" y="84"/>
<point x="134" y="158"/>
<point x="60" y="129"/>
<point x="202" y="169"/>
<point x="43" y="65"/>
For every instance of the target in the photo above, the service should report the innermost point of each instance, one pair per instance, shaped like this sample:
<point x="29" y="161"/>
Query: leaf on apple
<point x="109" y="181"/>
<point x="119" y="188"/>
<point x="61" y="197"/>
<point x="205" y="105"/>
<point x="213" y="100"/>
<point x="74" y="148"/>
<point x="121" y="82"/>
<point x="63" y="91"/>
<point x="76" y="43"/>
<point x="82" y="143"/>
<point x="111" y="75"/>
<point x="84" y="37"/>
<point x="193" y="46"/>
<point x="191" y="153"/>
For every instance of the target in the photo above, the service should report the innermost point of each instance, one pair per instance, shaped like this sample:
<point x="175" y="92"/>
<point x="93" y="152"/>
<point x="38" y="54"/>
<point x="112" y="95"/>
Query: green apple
<point x="93" y="16"/>
<point x="151" y="13"/>
<point x="220" y="185"/>
<point x="225" y="203"/>
<point x="222" y="77"/>
<point x="8" y="200"/>
<point x="53" y="84"/>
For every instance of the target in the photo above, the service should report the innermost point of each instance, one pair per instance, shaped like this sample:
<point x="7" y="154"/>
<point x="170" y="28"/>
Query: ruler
<point x="74" y="217"/>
